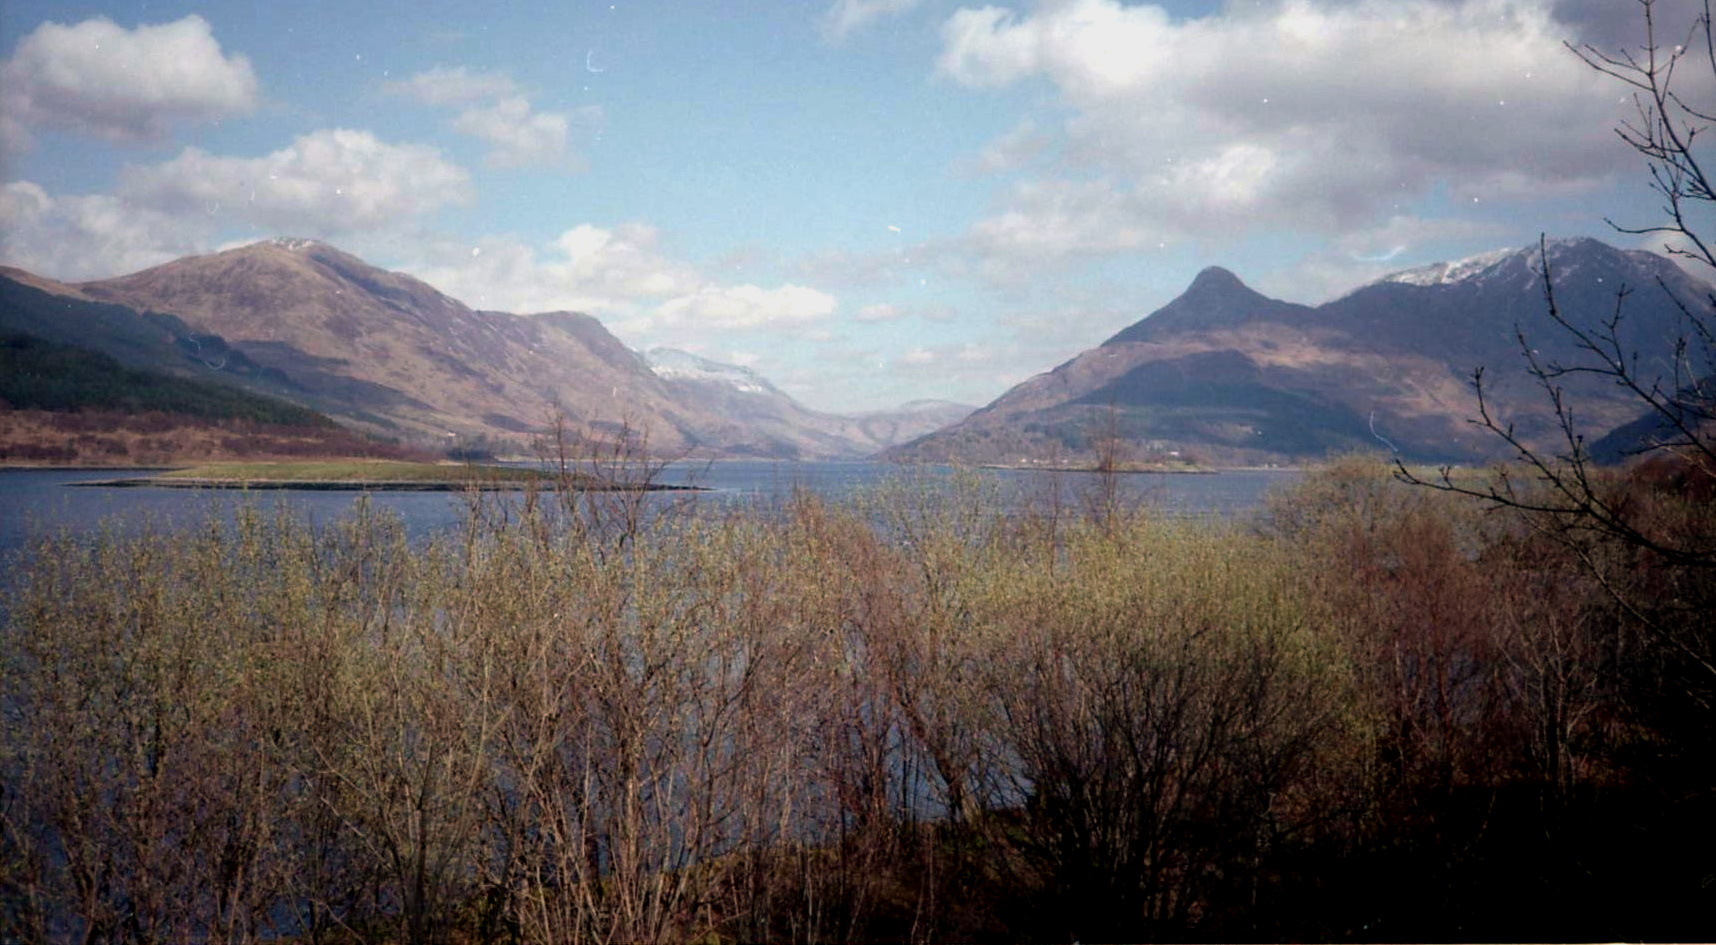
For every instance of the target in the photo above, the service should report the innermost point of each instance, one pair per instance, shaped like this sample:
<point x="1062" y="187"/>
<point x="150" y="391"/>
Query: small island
<point x="377" y="476"/>
<point x="1164" y="468"/>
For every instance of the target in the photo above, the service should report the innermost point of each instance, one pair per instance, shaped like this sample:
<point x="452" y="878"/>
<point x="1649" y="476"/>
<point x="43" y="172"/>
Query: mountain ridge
<point x="387" y="353"/>
<point x="1230" y="375"/>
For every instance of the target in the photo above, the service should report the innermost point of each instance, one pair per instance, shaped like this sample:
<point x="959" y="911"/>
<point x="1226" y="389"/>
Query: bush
<point x="1378" y="715"/>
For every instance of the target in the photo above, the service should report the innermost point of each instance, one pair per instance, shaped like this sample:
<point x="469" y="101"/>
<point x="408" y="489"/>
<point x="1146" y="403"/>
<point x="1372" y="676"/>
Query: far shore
<point x="370" y="485"/>
<point x="89" y="467"/>
<point x="367" y="476"/>
<point x="515" y="462"/>
<point x="1120" y="471"/>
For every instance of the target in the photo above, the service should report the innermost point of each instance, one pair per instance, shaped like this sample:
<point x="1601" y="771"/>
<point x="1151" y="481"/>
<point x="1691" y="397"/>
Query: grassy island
<point x="1174" y="468"/>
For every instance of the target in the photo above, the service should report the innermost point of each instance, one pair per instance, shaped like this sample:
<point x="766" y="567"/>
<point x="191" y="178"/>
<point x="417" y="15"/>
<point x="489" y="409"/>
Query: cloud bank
<point x="1316" y="115"/>
<point x="846" y="17"/>
<point x="125" y="85"/>
<point x="495" y="110"/>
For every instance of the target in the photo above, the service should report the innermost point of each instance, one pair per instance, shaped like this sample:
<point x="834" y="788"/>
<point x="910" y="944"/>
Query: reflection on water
<point x="38" y="501"/>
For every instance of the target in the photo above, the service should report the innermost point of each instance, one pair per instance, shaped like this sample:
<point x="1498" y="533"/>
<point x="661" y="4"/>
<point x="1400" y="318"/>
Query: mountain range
<point x="1222" y="374"/>
<point x="388" y="354"/>
<point x="1225" y="374"/>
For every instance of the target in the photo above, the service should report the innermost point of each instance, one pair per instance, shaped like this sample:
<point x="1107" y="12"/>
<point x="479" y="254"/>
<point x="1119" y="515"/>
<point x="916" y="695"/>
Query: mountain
<point x="672" y="364"/>
<point x="1227" y="375"/>
<point x="769" y="422"/>
<point x="386" y="353"/>
<point x="147" y="341"/>
<point x="1679" y="421"/>
<point x="753" y="415"/>
<point x="37" y="374"/>
<point x="910" y="420"/>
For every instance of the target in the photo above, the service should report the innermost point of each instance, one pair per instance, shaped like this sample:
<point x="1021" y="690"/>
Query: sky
<point x="868" y="201"/>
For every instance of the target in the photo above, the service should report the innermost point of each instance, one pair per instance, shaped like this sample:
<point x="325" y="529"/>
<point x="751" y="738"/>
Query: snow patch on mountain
<point x="295" y="244"/>
<point x="672" y="364"/>
<point x="1565" y="256"/>
<point x="1448" y="273"/>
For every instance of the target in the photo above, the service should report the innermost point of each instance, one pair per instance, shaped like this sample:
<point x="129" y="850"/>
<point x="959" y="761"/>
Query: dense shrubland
<point x="1377" y="712"/>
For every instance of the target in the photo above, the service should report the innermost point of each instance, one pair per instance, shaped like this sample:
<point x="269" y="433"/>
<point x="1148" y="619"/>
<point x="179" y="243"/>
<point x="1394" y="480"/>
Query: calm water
<point x="32" y="502"/>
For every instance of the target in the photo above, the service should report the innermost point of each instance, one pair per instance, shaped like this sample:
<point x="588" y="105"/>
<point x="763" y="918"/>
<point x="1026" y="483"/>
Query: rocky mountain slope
<point x="140" y="340"/>
<point x="1225" y="374"/>
<point x="386" y="353"/>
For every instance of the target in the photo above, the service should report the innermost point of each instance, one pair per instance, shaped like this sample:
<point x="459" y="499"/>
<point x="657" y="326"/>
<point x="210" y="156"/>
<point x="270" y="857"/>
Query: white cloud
<point x="880" y="312"/>
<point x="1336" y="112"/>
<point x="623" y="275"/>
<point x="747" y="307"/>
<point x="521" y="137"/>
<point x="624" y="262"/>
<point x="328" y="182"/>
<point x="1016" y="149"/>
<point x="844" y="17"/>
<point x="98" y="78"/>
<point x="88" y="236"/>
<point x="496" y="111"/>
<point x="913" y="358"/>
<point x="454" y="86"/>
<point x="610" y="272"/>
<point x="1053" y="219"/>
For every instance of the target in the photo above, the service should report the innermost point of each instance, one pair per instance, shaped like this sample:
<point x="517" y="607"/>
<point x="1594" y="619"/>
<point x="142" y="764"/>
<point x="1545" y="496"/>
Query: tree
<point x="1563" y="490"/>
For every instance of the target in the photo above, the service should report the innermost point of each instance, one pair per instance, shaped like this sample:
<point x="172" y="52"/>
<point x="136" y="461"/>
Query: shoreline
<point x="93" y="467"/>
<point x="1008" y="467"/>
<point x="1140" y="471"/>
<point x="363" y="485"/>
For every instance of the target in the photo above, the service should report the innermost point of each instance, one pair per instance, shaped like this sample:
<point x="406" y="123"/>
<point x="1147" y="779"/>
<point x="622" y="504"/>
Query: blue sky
<point x="869" y="201"/>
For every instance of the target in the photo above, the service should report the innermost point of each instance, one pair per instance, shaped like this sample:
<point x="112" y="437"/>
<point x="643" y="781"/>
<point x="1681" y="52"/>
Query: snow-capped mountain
<point x="1566" y="257"/>
<point x="1446" y="273"/>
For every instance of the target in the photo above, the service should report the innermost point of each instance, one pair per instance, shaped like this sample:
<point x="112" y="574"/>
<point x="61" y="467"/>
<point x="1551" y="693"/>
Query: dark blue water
<point x="40" y="501"/>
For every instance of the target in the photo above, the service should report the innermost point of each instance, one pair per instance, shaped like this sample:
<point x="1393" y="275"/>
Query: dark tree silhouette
<point x="1562" y="489"/>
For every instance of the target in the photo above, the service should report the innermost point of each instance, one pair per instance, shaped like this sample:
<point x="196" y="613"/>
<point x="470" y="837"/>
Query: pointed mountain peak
<point x="1220" y="288"/>
<point x="1215" y="298"/>
<point x="1216" y="279"/>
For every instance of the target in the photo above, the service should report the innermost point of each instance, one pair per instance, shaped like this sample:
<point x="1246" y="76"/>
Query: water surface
<point x="39" y="501"/>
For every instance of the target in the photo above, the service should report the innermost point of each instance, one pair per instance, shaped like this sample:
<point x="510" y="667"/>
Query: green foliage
<point x="43" y="375"/>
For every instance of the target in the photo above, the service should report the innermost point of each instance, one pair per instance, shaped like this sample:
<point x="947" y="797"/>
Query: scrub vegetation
<point x="1376" y="712"/>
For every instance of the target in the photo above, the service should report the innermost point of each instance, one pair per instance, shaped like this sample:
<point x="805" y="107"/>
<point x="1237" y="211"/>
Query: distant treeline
<point x="44" y="375"/>
<point x="1375" y="713"/>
